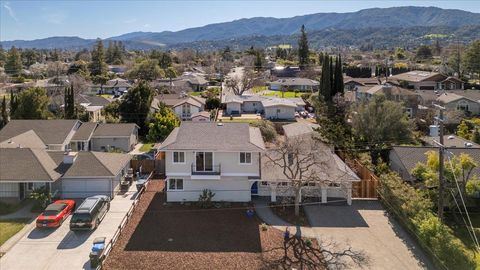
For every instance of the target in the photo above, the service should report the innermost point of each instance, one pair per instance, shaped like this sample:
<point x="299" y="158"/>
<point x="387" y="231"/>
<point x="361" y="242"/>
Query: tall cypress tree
<point x="325" y="84"/>
<point x="303" y="48"/>
<point x="69" y="103"/>
<point x="340" y="84"/>
<point x="331" y="74"/>
<point x="4" y="115"/>
<point x="13" y="103"/>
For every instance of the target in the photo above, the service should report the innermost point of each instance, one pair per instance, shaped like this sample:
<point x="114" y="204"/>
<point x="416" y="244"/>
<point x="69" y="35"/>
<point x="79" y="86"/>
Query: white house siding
<point x="122" y="143"/>
<point x="233" y="107"/>
<point x="229" y="163"/>
<point x="179" y="111"/>
<point x="233" y="189"/>
<point x="9" y="190"/>
<point x="252" y="106"/>
<point x="280" y="112"/>
<point x="473" y="107"/>
<point x="277" y="191"/>
<point x="86" y="187"/>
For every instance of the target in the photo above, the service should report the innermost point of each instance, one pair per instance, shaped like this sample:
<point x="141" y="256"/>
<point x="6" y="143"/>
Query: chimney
<point x="69" y="157"/>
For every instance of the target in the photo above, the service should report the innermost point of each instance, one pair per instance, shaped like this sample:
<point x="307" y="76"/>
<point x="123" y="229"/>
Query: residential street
<point x="61" y="248"/>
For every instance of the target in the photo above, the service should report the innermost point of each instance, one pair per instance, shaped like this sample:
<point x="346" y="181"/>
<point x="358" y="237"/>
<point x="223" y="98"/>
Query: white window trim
<point x="175" y="189"/>
<point x="184" y="157"/>
<point x="240" y="159"/>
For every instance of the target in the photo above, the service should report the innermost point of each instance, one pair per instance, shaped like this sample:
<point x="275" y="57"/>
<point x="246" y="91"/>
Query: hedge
<point x="415" y="211"/>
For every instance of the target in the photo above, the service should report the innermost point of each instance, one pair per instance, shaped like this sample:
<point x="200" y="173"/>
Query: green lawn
<point x="7" y="208"/>
<point x="257" y="89"/>
<point x="10" y="228"/>
<point x="146" y="147"/>
<point x="287" y="94"/>
<point x="195" y="94"/>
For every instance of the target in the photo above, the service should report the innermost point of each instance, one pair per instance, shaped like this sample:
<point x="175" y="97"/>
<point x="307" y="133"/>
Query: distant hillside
<point x="244" y="29"/>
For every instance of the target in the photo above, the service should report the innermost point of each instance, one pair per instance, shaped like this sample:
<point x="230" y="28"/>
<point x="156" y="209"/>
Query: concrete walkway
<point x="265" y="213"/>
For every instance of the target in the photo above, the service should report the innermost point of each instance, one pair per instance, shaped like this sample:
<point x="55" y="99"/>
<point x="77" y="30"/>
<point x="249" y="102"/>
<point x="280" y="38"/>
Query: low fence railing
<point x="122" y="224"/>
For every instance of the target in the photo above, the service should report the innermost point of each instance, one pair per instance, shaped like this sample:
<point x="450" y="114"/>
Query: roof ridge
<point x="94" y="153"/>
<point x="40" y="162"/>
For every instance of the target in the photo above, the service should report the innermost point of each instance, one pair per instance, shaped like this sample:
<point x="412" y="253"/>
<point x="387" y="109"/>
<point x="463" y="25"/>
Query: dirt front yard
<point x="160" y="236"/>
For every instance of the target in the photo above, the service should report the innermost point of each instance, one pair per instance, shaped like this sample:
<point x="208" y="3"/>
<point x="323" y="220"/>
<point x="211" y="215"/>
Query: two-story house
<point x="221" y="157"/>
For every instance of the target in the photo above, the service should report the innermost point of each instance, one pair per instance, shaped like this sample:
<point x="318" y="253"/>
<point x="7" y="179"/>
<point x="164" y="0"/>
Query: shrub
<point x="205" y="199"/>
<point x="264" y="227"/>
<point x="41" y="196"/>
<point x="267" y="129"/>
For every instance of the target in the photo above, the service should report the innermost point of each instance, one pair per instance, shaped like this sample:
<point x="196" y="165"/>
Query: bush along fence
<point x="414" y="211"/>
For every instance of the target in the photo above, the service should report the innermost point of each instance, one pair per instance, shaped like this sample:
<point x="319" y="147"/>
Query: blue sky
<point x="21" y="19"/>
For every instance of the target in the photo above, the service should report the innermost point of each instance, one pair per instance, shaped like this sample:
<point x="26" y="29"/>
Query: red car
<point x="55" y="214"/>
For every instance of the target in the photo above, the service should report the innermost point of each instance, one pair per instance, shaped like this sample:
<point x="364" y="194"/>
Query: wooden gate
<point x="368" y="185"/>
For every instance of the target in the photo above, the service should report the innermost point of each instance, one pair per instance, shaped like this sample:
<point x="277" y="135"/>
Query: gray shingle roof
<point x="25" y="164"/>
<point x="296" y="81"/>
<point x="417" y="76"/>
<point x="299" y="128"/>
<point x="49" y="131"/>
<point x="449" y="141"/>
<point x="97" y="164"/>
<point x="214" y="137"/>
<point x="114" y="130"/>
<point x="28" y="139"/>
<point x="411" y="155"/>
<point x="84" y="132"/>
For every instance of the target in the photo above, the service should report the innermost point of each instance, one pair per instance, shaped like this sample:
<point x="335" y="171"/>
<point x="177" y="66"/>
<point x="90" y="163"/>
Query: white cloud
<point x="10" y="10"/>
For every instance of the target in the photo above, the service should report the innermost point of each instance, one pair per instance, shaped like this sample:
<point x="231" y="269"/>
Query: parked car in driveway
<point x="90" y="213"/>
<point x="54" y="215"/>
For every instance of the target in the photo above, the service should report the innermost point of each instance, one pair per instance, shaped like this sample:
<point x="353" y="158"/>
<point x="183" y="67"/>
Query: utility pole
<point x="441" y="150"/>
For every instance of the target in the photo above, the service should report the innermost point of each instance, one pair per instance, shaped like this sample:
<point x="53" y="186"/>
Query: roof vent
<point x="451" y="137"/>
<point x="69" y="157"/>
<point x="467" y="144"/>
<point x="219" y="124"/>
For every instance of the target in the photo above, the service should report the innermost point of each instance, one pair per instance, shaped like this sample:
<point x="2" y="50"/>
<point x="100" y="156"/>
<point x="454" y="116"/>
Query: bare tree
<point x="303" y="161"/>
<point x="240" y="84"/>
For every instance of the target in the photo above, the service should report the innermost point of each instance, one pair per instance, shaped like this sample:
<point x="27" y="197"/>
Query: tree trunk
<point x="298" y="197"/>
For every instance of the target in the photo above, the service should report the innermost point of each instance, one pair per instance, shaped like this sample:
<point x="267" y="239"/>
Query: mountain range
<point x="377" y="24"/>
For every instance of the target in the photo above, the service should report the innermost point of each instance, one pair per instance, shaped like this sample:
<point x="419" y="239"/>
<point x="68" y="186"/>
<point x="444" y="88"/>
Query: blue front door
<point x="254" y="189"/>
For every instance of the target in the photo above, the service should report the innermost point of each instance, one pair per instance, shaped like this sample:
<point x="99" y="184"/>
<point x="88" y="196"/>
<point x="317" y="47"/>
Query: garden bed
<point x="287" y="213"/>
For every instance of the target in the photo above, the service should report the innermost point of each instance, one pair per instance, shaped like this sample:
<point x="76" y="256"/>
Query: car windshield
<point x="81" y="218"/>
<point x="50" y="213"/>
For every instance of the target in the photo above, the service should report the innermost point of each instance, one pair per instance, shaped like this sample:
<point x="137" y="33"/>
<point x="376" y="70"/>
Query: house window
<point x="264" y="183"/>
<point x="175" y="184"/>
<point x="178" y="157"/>
<point x="279" y="111"/>
<point x="290" y="159"/>
<point x="462" y="105"/>
<point x="29" y="186"/>
<point x="283" y="184"/>
<point x="245" y="158"/>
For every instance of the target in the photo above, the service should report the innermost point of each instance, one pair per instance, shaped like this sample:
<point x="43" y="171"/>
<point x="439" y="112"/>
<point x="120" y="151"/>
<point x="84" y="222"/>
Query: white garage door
<point x="85" y="188"/>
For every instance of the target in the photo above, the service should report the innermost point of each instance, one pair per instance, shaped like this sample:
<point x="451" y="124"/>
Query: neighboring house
<point x="453" y="102"/>
<point x="409" y="98"/>
<point x="188" y="82"/>
<point x="294" y="84"/>
<point x="81" y="140"/>
<point x="449" y="141"/>
<point x="119" y="136"/>
<point x="403" y="159"/>
<point x="115" y="87"/>
<point x="183" y="105"/>
<point x="201" y="117"/>
<point x="425" y="80"/>
<point x="281" y="71"/>
<point x="55" y="134"/>
<point x="221" y="157"/>
<point x="351" y="84"/>
<point x="336" y="177"/>
<point x="64" y="174"/>
<point x="269" y="107"/>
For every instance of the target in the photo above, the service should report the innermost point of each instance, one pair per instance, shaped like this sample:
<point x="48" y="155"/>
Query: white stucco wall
<point x="233" y="106"/>
<point x="233" y="189"/>
<point x="179" y="111"/>
<point x="285" y="112"/>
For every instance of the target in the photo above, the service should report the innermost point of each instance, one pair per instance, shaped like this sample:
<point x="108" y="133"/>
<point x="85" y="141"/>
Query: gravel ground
<point x="186" y="237"/>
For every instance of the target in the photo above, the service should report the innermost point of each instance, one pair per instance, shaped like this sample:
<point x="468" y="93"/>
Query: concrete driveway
<point x="365" y="226"/>
<point x="61" y="248"/>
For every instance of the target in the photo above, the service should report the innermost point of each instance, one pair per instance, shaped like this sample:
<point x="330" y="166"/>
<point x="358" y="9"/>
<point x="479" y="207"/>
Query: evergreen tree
<point x="4" y="115"/>
<point x="303" y="50"/>
<point x="32" y="104"/>
<point x="331" y="74"/>
<point x="258" y="61"/>
<point x="338" y="80"/>
<point x="13" y="103"/>
<point x="13" y="66"/>
<point x="136" y="105"/>
<point x="98" y="67"/>
<point x="476" y="136"/>
<point x="69" y="103"/>
<point x="325" y="86"/>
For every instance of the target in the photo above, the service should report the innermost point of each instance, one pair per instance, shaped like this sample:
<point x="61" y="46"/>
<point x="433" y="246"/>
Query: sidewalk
<point x="22" y="213"/>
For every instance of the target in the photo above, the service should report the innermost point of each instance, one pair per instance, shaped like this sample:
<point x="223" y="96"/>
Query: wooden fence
<point x="149" y="166"/>
<point x="369" y="183"/>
